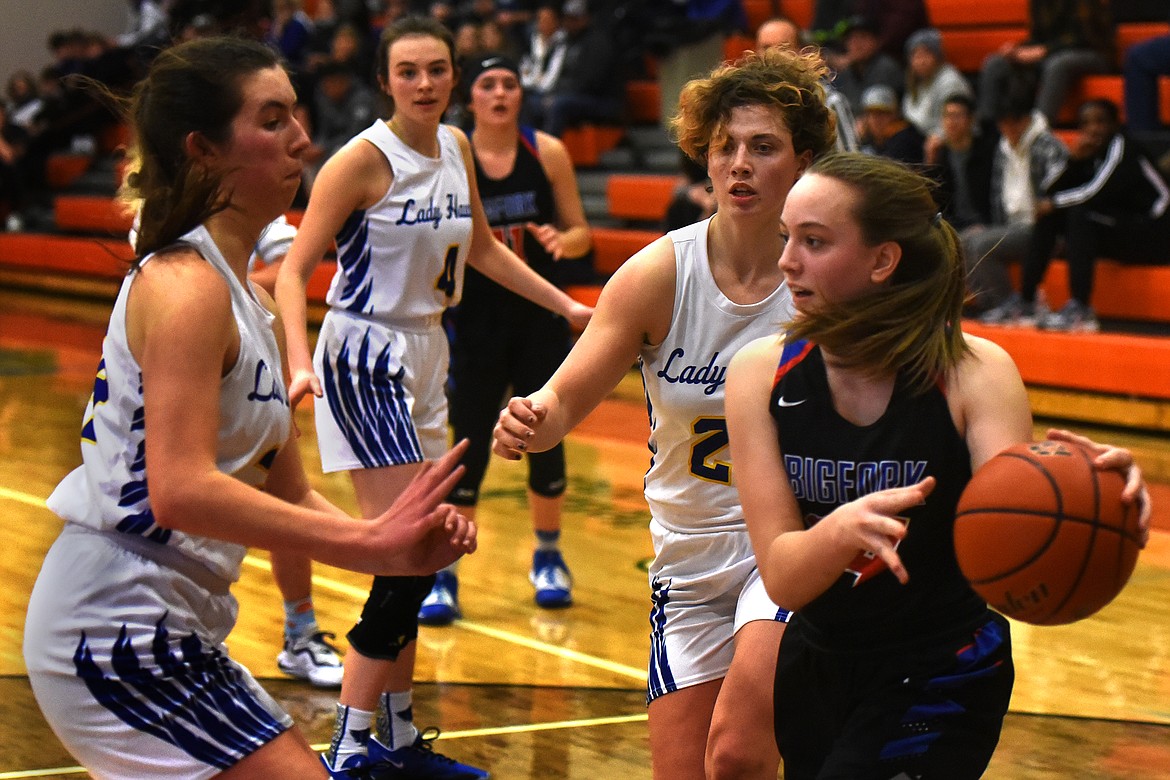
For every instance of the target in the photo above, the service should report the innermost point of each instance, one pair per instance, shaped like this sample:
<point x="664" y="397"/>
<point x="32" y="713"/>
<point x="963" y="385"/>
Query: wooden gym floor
<point x="529" y="693"/>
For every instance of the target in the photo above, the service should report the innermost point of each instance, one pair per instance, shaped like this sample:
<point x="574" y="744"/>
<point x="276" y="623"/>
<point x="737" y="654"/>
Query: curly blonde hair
<point x="791" y="82"/>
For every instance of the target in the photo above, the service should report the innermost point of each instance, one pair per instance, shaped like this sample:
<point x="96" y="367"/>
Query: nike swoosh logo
<point x="785" y="404"/>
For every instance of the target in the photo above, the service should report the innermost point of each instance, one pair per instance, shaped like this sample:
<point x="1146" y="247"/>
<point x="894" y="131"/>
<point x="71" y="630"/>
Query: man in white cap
<point x="885" y="131"/>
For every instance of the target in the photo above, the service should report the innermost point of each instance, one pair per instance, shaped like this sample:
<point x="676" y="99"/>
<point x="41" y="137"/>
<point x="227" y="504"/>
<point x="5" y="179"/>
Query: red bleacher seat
<point x="966" y="48"/>
<point x="587" y="143"/>
<point x="640" y="197"/>
<point x="643" y="101"/>
<point x="613" y="246"/>
<point x="965" y="13"/>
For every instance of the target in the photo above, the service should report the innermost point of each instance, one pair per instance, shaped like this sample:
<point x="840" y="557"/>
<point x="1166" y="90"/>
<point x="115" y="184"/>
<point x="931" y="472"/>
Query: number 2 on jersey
<point x="712" y="433"/>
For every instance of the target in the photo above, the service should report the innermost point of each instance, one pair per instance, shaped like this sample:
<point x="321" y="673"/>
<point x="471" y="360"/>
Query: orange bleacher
<point x="639" y="197"/>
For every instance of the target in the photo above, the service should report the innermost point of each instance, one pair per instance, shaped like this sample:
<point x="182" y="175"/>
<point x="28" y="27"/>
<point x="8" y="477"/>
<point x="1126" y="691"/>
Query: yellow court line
<point x="64" y="770"/>
<point x="524" y="728"/>
<point x="511" y="637"/>
<point x="23" y="498"/>
<point x="360" y="594"/>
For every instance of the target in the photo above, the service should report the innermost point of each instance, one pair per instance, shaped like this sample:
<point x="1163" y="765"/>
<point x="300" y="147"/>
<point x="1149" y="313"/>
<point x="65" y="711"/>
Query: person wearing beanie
<point x="930" y="80"/>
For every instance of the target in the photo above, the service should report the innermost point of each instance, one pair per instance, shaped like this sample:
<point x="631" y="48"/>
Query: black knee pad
<point x="546" y="472"/>
<point x="389" y="620"/>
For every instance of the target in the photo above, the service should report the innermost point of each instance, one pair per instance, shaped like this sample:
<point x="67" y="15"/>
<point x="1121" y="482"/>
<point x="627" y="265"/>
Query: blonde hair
<point x="911" y="326"/>
<point x="779" y="78"/>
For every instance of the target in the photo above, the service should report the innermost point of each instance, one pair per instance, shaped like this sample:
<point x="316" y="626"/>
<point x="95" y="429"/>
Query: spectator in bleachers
<point x="1144" y="62"/>
<point x="540" y="65"/>
<point x="198" y="26"/>
<point x="930" y="80"/>
<point x="493" y="39"/>
<point x="515" y="17"/>
<point x="687" y="39"/>
<point x="693" y="201"/>
<point x="830" y="22"/>
<point x="291" y="32"/>
<point x="863" y="64"/>
<point x="13" y="144"/>
<point x="896" y="21"/>
<point x="961" y="157"/>
<point x="343" y="106"/>
<point x="1027" y="158"/>
<point x="885" y="131"/>
<point x="780" y="31"/>
<point x="467" y="44"/>
<point x="24" y="101"/>
<point x="1109" y="200"/>
<point x="591" y="86"/>
<point x="146" y="25"/>
<point x="1067" y="39"/>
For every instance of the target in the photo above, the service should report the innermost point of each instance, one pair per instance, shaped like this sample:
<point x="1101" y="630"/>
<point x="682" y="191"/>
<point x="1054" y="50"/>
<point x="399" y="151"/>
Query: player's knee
<point x="389" y="620"/>
<point x="729" y="757"/>
<point x="546" y="474"/>
<point x="728" y="765"/>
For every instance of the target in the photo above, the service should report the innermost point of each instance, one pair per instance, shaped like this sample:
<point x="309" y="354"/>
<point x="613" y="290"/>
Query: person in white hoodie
<point x="1028" y="159"/>
<point x="540" y="66"/>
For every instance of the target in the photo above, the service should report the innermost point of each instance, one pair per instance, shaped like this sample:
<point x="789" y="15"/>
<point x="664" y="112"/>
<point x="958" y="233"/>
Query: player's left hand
<point x="549" y="238"/>
<point x="1120" y="459"/>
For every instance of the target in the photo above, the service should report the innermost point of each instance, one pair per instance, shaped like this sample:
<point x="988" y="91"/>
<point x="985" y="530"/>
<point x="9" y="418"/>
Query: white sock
<point x="396" y="719"/>
<point x="351" y="735"/>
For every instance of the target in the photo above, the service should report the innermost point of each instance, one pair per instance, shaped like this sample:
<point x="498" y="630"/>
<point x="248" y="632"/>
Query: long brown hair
<point x="912" y="325"/>
<point x="194" y="87"/>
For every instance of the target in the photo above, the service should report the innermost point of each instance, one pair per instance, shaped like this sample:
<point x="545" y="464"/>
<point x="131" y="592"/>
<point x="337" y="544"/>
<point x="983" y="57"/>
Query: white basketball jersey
<point x="403" y="258"/>
<point x="689" y="485"/>
<point x="109" y="491"/>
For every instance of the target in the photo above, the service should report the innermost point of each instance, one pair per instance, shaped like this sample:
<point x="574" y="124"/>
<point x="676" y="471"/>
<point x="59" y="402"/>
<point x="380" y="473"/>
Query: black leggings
<point x="491" y="352"/>
<point x="1088" y="235"/>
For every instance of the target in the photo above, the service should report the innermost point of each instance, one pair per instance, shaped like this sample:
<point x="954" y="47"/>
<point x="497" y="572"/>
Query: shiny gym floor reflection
<point x="529" y="693"/>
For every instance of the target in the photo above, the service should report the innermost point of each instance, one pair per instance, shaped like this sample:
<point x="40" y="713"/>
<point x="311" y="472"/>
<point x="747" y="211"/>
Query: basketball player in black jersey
<point x="853" y="435"/>
<point x="498" y="339"/>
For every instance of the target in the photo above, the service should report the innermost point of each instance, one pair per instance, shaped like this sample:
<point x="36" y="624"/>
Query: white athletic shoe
<point x="312" y="658"/>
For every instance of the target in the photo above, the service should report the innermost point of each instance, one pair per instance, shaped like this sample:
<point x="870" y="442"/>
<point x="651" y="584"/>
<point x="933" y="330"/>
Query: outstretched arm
<point x="635" y="308"/>
<point x="349" y="181"/>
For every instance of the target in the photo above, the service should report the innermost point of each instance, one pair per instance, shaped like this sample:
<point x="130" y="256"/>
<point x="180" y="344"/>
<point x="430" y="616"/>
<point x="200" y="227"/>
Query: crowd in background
<point x="576" y="57"/>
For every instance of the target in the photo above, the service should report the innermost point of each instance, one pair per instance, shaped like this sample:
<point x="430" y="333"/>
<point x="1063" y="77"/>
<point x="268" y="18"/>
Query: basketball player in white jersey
<point x="188" y="456"/>
<point x="681" y="308"/>
<point x="306" y="653"/>
<point x="401" y="202"/>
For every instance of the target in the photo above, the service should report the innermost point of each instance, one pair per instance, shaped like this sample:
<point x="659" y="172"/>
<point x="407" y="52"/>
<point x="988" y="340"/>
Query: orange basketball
<point x="1042" y="535"/>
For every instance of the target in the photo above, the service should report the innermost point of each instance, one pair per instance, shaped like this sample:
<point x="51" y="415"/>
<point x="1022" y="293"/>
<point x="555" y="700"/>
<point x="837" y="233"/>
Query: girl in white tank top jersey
<point x="187" y="457"/>
<point x="401" y="202"/>
<point x="680" y="308"/>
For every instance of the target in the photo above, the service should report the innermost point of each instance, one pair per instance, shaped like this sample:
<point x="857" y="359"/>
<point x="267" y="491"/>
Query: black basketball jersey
<point x="525" y="195"/>
<point x="830" y="461"/>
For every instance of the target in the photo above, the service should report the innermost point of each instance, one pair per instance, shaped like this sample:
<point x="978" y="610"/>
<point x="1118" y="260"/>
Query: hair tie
<point x="936" y="220"/>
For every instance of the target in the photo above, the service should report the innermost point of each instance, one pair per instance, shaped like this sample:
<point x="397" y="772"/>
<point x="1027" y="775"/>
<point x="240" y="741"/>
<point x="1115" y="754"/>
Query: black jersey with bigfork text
<point x="831" y="461"/>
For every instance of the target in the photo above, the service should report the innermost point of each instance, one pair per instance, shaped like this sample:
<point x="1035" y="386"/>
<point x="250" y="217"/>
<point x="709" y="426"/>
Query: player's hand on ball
<point x="1118" y="459"/>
